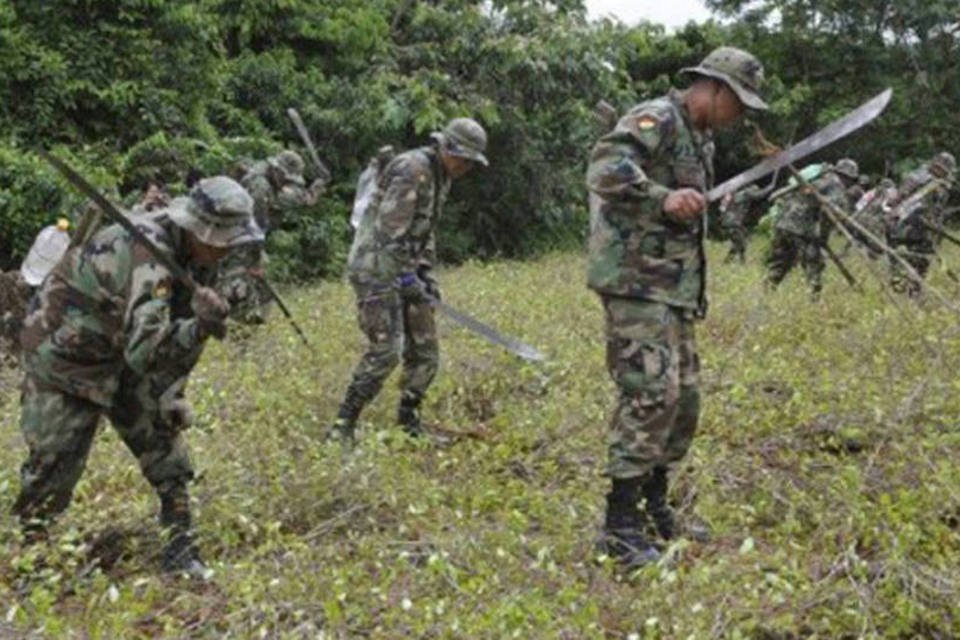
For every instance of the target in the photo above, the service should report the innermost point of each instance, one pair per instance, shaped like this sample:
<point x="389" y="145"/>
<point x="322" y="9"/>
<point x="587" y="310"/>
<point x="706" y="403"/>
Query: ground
<point x="825" y="466"/>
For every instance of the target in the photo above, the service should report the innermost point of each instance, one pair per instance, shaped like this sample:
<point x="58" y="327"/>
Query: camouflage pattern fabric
<point x="396" y="330"/>
<point x="14" y="295"/>
<point x="397" y="234"/>
<point x="652" y="357"/>
<point x="636" y="250"/>
<point x="802" y="229"/>
<point x="733" y="218"/>
<point x="59" y="428"/>
<point x="650" y="273"/>
<point x="871" y="217"/>
<point x="110" y="332"/>
<point x="248" y="297"/>
<point x="786" y="250"/>
<point x="910" y="237"/>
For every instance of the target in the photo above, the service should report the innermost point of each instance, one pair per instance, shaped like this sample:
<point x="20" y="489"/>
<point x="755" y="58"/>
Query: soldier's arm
<point x="616" y="169"/>
<point x="405" y="191"/>
<point x="152" y="336"/>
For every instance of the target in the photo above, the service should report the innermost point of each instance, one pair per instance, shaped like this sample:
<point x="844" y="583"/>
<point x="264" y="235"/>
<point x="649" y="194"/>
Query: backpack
<point x="368" y="184"/>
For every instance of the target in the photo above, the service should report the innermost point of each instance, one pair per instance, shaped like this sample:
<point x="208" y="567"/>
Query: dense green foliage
<point x="825" y="465"/>
<point x="137" y="88"/>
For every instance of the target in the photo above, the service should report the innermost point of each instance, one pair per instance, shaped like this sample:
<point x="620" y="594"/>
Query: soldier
<point x="276" y="185"/>
<point x="734" y="209"/>
<point x="914" y="216"/>
<point x="390" y="269"/>
<point x="869" y="213"/>
<point x="647" y="179"/>
<point x="802" y="228"/>
<point x="111" y="332"/>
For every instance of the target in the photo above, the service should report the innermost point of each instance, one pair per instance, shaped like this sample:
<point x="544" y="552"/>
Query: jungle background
<point x="138" y="89"/>
<point x="825" y="464"/>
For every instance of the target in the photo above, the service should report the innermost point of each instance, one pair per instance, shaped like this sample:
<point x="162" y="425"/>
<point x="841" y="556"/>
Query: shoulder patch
<point x="645" y="122"/>
<point x="161" y="291"/>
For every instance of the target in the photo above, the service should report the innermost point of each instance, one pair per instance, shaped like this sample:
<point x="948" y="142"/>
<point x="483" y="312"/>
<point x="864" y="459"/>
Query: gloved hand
<point x="211" y="312"/>
<point x="430" y="285"/>
<point x="412" y="288"/>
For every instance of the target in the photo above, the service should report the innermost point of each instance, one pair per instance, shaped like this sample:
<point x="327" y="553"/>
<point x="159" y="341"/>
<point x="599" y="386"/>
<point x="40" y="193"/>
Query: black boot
<point x="344" y="429"/>
<point x="655" y="494"/>
<point x="180" y="554"/>
<point x="624" y="538"/>
<point x="408" y="414"/>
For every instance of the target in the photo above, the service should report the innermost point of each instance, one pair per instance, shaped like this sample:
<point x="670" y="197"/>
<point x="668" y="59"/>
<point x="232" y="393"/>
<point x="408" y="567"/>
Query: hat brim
<point x="749" y="98"/>
<point x="225" y="236"/>
<point x="475" y="156"/>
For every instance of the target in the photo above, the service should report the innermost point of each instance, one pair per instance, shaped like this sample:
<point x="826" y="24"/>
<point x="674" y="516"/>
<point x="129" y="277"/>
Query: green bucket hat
<point x="464" y="137"/>
<point x="290" y="164"/>
<point x="219" y="212"/>
<point x="739" y="70"/>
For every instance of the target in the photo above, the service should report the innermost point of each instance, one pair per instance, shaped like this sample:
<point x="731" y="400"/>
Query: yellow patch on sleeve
<point x="646" y="122"/>
<point x="161" y="291"/>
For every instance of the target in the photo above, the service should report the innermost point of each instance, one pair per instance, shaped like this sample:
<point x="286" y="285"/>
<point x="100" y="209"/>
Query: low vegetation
<point x="825" y="466"/>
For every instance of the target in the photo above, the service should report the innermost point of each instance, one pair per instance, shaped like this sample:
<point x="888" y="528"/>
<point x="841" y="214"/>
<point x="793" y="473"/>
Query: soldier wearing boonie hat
<point x="646" y="181"/>
<point x="390" y="267"/>
<point x="112" y="333"/>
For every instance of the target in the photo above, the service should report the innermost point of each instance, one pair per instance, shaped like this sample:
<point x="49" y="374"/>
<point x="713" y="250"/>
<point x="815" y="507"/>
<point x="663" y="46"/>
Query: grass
<point x="826" y="465"/>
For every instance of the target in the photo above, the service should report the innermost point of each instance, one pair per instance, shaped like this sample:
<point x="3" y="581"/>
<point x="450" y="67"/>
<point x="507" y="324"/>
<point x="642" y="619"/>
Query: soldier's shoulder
<point x="414" y="163"/>
<point x="649" y="122"/>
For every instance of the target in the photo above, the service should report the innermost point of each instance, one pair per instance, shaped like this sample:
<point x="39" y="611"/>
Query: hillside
<point x="826" y="466"/>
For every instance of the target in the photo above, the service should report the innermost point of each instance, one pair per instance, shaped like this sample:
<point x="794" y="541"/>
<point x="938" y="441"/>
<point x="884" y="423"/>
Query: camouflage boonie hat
<point x="739" y="70"/>
<point x="465" y="138"/>
<point x="219" y="212"/>
<point x="847" y="167"/>
<point x="945" y="161"/>
<point x="290" y="165"/>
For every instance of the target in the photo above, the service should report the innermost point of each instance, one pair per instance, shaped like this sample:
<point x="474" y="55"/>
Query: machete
<point x="487" y="332"/>
<point x="115" y="215"/>
<point x="837" y="129"/>
<point x="305" y="136"/>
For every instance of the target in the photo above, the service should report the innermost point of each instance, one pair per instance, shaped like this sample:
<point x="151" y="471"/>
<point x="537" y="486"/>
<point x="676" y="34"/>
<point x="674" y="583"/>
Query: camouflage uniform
<point x="908" y="228"/>
<point x="649" y="269"/>
<point x="111" y="332"/>
<point x="802" y="229"/>
<point x="14" y="295"/>
<point x="390" y="260"/>
<point x="869" y="213"/>
<point x="277" y="186"/>
<point x="733" y="216"/>
<point x="650" y="273"/>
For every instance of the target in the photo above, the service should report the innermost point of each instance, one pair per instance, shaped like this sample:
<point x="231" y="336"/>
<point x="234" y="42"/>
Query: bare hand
<point x="211" y="311"/>
<point x="684" y="205"/>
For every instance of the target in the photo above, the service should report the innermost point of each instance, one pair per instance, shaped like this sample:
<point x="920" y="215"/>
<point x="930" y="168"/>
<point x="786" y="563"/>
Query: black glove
<point x="430" y="285"/>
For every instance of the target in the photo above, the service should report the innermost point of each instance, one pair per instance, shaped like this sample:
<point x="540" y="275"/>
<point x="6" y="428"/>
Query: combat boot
<point x="180" y="553"/>
<point x="624" y="535"/>
<point x="654" y="490"/>
<point x="344" y="429"/>
<point x="408" y="414"/>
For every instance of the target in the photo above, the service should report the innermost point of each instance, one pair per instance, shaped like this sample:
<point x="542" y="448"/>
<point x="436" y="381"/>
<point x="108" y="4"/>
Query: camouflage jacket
<point x="734" y="212"/>
<point x="635" y="249"/>
<point x="915" y="209"/>
<point x="109" y="310"/>
<point x="396" y="234"/>
<point x="801" y="211"/>
<point x="270" y="202"/>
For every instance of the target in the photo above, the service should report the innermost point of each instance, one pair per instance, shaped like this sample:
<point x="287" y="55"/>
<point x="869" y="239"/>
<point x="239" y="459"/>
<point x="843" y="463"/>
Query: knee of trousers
<point x="167" y="465"/>
<point x="379" y="362"/>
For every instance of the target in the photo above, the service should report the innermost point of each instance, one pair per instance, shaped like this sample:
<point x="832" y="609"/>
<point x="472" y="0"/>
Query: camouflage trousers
<point x="652" y="358"/>
<point x="737" y="235"/>
<point x="396" y="329"/>
<point x="59" y="429"/>
<point x="918" y="254"/>
<point x="247" y="294"/>
<point x="789" y="248"/>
